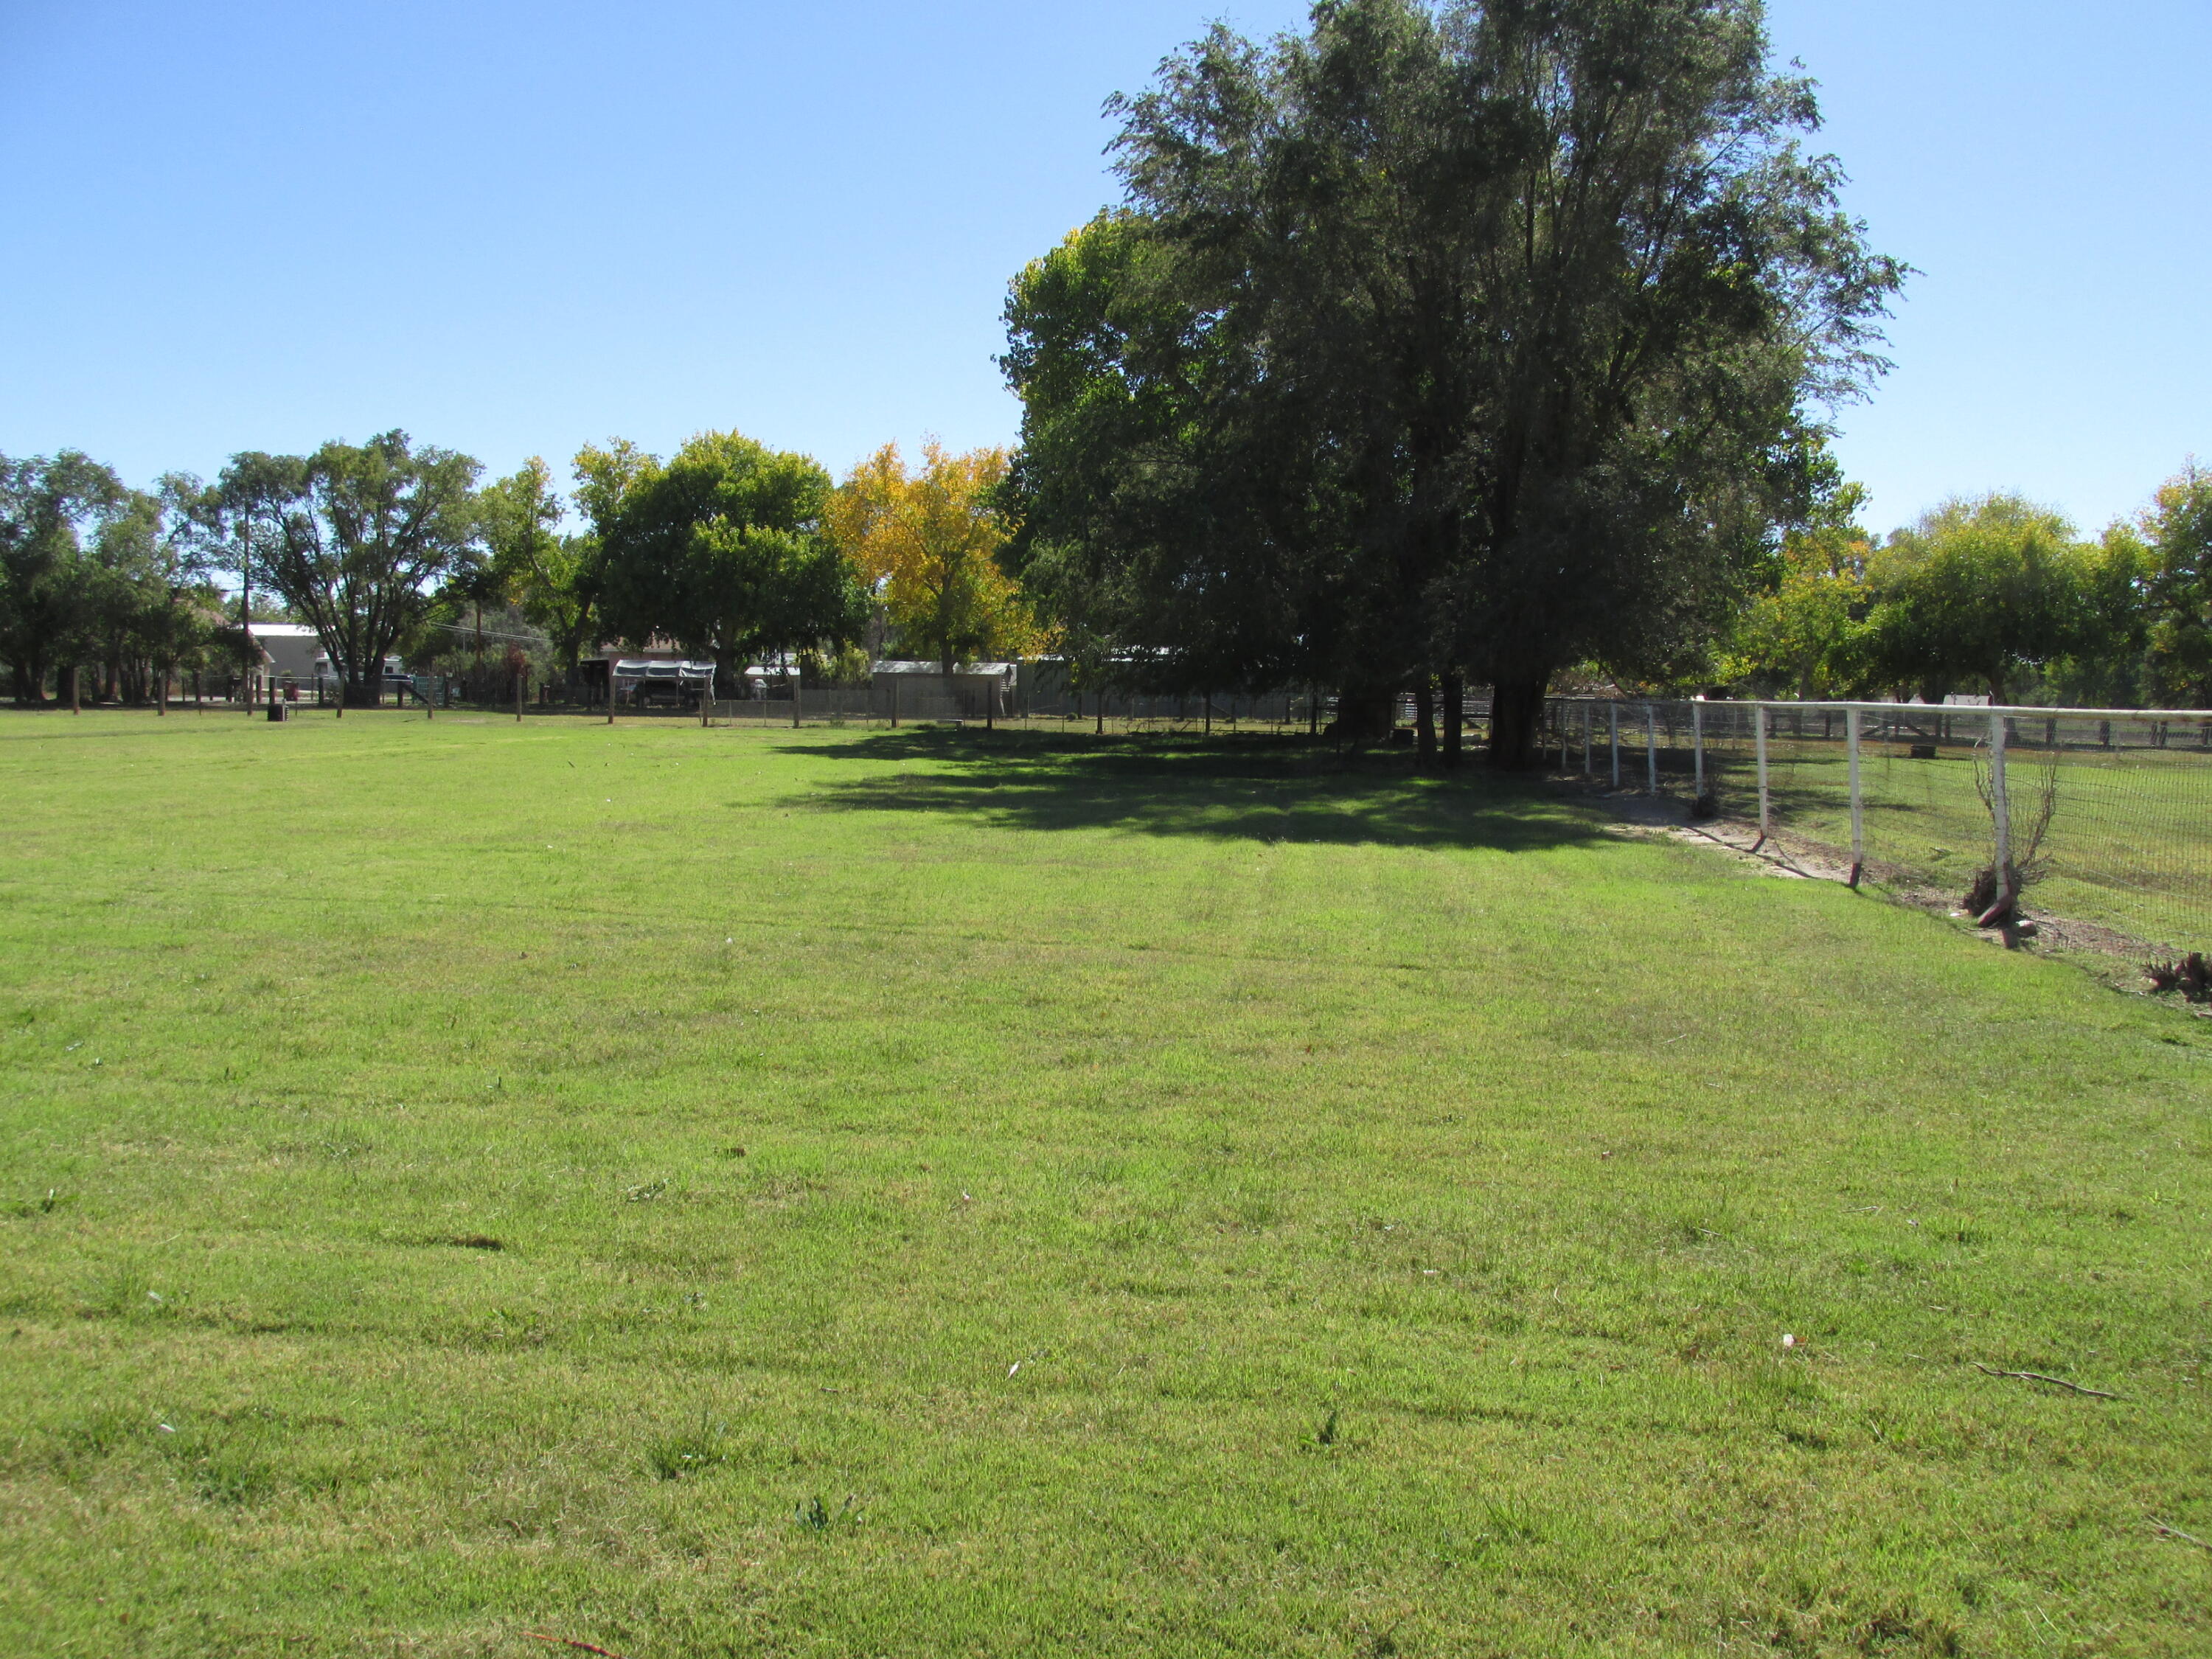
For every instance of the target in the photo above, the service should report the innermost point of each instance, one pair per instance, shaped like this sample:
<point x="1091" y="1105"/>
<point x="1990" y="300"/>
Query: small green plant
<point x="219" y="1462"/>
<point x="1510" y="1522"/>
<point x="1326" y="1435"/>
<point x="672" y="1456"/>
<point x="816" y="1517"/>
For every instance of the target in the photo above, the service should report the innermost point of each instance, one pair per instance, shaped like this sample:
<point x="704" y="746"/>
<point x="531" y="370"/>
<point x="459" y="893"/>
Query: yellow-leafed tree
<point x="927" y="540"/>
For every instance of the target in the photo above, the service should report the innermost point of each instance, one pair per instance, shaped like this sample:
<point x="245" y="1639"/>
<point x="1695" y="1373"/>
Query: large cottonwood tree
<point x="354" y="538"/>
<point x="1508" y="328"/>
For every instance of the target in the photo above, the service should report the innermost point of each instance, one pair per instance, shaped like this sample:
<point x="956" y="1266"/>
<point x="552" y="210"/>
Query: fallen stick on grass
<point x="2165" y="1531"/>
<point x="571" y="1642"/>
<point x="2037" y="1376"/>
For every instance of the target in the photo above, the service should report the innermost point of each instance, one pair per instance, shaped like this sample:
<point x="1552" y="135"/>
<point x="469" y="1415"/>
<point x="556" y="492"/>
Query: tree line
<point x="1447" y="345"/>
<point x="1992" y="595"/>
<point x="727" y="549"/>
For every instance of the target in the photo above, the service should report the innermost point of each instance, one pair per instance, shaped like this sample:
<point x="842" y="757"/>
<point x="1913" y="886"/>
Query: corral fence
<point x="1038" y="696"/>
<point x="2111" y="807"/>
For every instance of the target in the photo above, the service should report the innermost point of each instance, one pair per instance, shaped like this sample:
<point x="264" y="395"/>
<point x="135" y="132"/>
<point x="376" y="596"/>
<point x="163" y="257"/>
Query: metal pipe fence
<point x="2107" y="812"/>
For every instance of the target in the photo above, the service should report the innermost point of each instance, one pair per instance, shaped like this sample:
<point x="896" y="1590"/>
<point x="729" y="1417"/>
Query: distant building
<point x="289" y="651"/>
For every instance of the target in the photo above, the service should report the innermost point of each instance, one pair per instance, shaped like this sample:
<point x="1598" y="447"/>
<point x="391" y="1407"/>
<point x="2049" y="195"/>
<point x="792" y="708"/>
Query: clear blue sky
<point x="515" y="227"/>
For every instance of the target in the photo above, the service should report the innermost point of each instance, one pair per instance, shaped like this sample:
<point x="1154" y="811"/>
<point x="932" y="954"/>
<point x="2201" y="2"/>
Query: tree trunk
<point x="1365" y="715"/>
<point x="1455" y="718"/>
<point x="1515" y="708"/>
<point x="1425" y="724"/>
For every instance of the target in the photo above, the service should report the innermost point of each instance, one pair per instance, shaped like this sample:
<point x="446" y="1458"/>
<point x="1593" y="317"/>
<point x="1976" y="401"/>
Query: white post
<point x="794" y="701"/>
<point x="1858" y="805"/>
<point x="1652" y="747"/>
<point x="1697" y="740"/>
<point x="2001" y="811"/>
<point x="1612" y="724"/>
<point x="1766" y="819"/>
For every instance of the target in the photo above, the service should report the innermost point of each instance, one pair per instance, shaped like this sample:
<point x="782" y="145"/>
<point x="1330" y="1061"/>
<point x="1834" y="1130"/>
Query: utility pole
<point x="245" y="615"/>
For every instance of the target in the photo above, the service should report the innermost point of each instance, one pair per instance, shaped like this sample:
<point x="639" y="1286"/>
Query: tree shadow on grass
<point x="1254" y="788"/>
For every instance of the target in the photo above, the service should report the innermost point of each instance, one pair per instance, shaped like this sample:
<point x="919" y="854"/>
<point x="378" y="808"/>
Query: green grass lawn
<point x="1022" y="1195"/>
<point x="2130" y="844"/>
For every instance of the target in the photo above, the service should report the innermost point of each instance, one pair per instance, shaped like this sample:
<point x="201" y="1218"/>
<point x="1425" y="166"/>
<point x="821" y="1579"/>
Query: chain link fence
<point x="923" y="699"/>
<point x="2107" y="813"/>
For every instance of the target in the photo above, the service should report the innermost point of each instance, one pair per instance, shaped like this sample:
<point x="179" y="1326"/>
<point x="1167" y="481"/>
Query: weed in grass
<point x="54" y="1199"/>
<point x="815" y="1516"/>
<point x="694" y="1451"/>
<point x="217" y="1462"/>
<point x="75" y="1449"/>
<point x="1510" y="1522"/>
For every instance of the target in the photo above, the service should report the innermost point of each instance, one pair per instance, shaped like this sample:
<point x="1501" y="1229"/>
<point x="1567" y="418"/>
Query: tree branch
<point x="2037" y="1376"/>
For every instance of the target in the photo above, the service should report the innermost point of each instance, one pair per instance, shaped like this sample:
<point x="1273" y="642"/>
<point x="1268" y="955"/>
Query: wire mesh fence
<point x="2107" y="811"/>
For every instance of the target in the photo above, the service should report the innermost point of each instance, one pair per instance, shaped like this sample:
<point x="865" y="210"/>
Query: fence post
<point x="1858" y="804"/>
<point x="518" y="701"/>
<point x="1651" y="748"/>
<point x="1697" y="741"/>
<point x="1588" y="719"/>
<point x="1759" y="724"/>
<point x="1613" y="724"/>
<point x="894" y="680"/>
<point x="794" y="703"/>
<point x="2000" y="814"/>
<point x="610" y="693"/>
